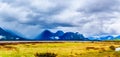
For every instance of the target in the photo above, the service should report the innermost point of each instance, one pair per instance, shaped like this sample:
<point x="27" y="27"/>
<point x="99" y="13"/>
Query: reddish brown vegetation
<point x="94" y="48"/>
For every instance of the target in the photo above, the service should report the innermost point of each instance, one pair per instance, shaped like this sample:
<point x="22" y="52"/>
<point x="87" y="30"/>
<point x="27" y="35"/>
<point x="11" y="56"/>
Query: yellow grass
<point x="63" y="49"/>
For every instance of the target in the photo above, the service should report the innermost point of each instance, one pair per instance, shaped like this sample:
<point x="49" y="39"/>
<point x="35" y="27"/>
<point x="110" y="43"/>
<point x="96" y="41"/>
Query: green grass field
<point x="61" y="49"/>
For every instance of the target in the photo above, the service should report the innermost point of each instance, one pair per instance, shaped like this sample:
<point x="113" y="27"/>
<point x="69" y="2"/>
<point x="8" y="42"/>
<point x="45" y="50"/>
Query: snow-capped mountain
<point x="102" y="37"/>
<point x="60" y="35"/>
<point x="72" y="36"/>
<point x="45" y="35"/>
<point x="9" y="35"/>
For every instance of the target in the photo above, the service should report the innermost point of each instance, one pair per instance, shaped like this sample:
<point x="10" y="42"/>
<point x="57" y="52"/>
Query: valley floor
<point x="61" y="49"/>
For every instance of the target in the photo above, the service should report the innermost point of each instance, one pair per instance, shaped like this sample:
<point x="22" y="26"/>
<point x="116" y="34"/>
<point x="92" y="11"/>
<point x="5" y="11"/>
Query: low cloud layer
<point x="89" y="17"/>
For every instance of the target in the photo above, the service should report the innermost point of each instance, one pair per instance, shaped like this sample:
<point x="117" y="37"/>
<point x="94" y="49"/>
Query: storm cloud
<point x="89" y="17"/>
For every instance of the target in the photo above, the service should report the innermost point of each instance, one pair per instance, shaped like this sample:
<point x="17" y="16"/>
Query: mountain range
<point x="60" y="35"/>
<point x="7" y="35"/>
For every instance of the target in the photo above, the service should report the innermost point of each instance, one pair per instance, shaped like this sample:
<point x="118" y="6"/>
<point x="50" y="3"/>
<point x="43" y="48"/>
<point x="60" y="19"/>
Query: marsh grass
<point x="66" y="49"/>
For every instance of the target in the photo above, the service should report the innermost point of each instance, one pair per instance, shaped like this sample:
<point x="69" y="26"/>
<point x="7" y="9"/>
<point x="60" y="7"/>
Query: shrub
<point x="45" y="55"/>
<point x="112" y="47"/>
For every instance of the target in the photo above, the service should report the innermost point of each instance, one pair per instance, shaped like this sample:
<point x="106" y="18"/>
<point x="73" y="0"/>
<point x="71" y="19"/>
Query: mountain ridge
<point x="7" y="35"/>
<point x="47" y="35"/>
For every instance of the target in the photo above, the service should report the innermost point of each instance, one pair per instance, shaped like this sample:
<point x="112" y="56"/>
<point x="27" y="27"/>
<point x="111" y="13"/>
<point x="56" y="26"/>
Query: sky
<point x="88" y="17"/>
